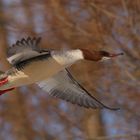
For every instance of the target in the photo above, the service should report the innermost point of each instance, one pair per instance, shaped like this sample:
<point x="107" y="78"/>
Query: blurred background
<point x="28" y="113"/>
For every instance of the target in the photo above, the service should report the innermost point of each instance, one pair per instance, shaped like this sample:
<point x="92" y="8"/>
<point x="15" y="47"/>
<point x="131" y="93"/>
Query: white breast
<point x="68" y="57"/>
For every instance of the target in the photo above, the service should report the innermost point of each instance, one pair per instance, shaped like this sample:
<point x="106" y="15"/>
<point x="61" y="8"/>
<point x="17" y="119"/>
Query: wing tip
<point x="26" y="40"/>
<point x="101" y="108"/>
<point x="111" y="108"/>
<point x="23" y="43"/>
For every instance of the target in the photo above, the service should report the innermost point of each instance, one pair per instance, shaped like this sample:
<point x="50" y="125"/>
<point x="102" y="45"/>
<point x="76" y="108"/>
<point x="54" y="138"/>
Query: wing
<point x="64" y="86"/>
<point x="24" y="49"/>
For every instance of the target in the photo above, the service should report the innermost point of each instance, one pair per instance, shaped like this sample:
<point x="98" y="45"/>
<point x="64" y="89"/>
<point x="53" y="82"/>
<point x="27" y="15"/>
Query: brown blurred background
<point x="113" y="25"/>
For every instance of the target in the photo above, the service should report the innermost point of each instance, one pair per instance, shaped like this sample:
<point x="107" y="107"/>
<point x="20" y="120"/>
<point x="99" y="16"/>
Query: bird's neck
<point x="67" y="57"/>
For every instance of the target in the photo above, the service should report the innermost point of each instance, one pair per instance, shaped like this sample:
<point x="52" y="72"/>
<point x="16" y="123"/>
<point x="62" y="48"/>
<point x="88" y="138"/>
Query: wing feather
<point x="24" y="49"/>
<point x="64" y="86"/>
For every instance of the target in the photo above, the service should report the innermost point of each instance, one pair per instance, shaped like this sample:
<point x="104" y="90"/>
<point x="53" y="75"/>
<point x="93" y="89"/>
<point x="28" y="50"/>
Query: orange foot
<point x="2" y="82"/>
<point x="6" y="90"/>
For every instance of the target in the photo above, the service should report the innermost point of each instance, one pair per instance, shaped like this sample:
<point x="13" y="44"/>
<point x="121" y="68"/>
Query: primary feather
<point x="64" y="86"/>
<point x="24" y="49"/>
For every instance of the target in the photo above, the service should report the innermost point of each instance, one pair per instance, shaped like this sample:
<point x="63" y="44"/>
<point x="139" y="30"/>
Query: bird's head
<point x="98" y="55"/>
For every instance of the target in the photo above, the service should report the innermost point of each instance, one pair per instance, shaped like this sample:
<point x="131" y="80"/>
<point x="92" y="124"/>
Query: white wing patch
<point x="22" y="56"/>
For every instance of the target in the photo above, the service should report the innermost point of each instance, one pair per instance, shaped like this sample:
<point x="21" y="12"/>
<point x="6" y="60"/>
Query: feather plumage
<point x="25" y="49"/>
<point x="64" y="86"/>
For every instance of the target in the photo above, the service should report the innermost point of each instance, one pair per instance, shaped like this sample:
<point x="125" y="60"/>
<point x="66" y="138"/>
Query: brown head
<point x="98" y="55"/>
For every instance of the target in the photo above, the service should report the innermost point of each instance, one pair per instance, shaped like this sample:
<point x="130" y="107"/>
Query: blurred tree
<point x="95" y="24"/>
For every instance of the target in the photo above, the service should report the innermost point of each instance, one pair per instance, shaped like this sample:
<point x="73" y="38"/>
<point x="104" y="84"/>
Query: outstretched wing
<point x="24" y="49"/>
<point x="64" y="86"/>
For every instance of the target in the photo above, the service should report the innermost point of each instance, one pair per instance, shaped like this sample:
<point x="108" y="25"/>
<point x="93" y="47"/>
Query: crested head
<point x="98" y="55"/>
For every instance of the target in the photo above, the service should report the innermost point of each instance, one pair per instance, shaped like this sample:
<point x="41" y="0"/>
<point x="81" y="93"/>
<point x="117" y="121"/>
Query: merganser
<point x="48" y="69"/>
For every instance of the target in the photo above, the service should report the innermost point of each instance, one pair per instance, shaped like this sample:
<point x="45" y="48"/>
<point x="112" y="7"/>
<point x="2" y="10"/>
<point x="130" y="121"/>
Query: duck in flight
<point x="48" y="69"/>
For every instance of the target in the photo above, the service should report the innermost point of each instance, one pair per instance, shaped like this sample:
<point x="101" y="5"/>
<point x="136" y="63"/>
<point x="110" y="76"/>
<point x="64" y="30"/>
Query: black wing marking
<point x="64" y="86"/>
<point x="24" y="49"/>
<point x="26" y="62"/>
<point x="78" y="84"/>
<point x="24" y="44"/>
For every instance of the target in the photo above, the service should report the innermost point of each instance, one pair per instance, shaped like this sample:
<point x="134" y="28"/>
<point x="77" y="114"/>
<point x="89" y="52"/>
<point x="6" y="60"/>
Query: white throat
<point x="67" y="57"/>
